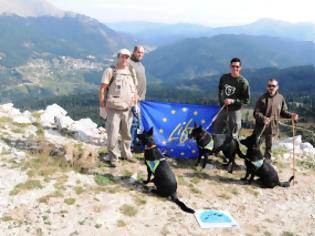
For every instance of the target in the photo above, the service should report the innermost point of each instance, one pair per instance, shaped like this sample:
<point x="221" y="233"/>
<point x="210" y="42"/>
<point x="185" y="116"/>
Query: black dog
<point x="257" y="166"/>
<point x="164" y="178"/>
<point x="221" y="142"/>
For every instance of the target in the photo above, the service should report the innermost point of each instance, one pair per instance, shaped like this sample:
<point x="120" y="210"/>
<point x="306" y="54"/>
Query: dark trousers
<point x="134" y="126"/>
<point x="266" y="137"/>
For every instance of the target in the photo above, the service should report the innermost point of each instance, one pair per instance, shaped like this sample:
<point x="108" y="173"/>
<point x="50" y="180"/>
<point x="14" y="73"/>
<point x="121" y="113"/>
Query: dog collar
<point x="146" y="147"/>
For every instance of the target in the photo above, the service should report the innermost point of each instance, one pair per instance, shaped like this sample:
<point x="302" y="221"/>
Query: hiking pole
<point x="293" y="150"/>
<point x="215" y="117"/>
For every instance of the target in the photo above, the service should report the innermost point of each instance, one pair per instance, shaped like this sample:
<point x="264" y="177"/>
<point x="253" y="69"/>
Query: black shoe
<point x="129" y="159"/>
<point x="112" y="164"/>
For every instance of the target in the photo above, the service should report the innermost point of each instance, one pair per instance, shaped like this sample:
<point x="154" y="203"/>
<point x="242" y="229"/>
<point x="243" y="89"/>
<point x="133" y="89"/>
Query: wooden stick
<point x="293" y="141"/>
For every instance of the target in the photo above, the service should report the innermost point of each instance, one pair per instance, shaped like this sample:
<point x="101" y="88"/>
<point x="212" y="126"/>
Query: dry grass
<point x="69" y="201"/>
<point x="28" y="185"/>
<point x="128" y="210"/>
<point x="121" y="223"/>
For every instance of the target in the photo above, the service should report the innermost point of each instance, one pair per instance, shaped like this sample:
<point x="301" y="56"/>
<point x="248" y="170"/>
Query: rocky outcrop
<point x="84" y="130"/>
<point x="304" y="149"/>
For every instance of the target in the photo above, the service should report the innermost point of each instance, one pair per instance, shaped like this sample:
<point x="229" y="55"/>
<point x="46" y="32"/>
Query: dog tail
<point x="287" y="183"/>
<point x="181" y="204"/>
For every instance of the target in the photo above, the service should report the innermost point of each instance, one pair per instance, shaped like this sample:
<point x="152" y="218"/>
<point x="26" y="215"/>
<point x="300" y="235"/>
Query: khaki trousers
<point x="118" y="123"/>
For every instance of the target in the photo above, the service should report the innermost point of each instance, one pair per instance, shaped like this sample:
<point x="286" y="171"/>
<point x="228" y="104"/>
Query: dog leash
<point x="297" y="128"/>
<point x="261" y="133"/>
<point x="215" y="117"/>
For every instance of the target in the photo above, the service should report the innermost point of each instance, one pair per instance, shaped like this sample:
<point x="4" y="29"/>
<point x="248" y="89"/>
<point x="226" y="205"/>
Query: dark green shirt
<point x="234" y="88"/>
<point x="142" y="80"/>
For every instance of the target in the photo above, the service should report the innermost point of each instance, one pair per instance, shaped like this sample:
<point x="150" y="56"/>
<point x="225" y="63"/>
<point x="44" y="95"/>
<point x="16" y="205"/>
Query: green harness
<point x="258" y="164"/>
<point x="153" y="165"/>
<point x="209" y="146"/>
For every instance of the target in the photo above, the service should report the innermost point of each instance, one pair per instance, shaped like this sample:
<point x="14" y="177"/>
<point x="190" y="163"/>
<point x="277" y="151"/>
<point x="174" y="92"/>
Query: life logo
<point x="229" y="90"/>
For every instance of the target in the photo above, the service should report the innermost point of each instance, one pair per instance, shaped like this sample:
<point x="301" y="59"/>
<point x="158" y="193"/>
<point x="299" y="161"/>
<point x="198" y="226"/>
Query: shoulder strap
<point x="113" y="75"/>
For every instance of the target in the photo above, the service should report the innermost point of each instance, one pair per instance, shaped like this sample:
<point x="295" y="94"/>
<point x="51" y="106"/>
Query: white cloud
<point x="208" y="12"/>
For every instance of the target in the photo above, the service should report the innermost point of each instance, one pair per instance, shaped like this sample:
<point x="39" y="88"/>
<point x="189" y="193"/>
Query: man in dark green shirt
<point x="233" y="93"/>
<point x="269" y="109"/>
<point x="136" y="58"/>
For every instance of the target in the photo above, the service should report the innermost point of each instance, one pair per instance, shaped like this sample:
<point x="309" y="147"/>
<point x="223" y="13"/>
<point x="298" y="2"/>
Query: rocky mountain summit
<point x="52" y="182"/>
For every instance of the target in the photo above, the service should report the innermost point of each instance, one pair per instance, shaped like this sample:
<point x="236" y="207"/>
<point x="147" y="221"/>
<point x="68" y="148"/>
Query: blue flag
<point x="172" y="123"/>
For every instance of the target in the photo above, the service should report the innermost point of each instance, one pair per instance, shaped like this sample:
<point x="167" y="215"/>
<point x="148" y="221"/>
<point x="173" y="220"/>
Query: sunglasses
<point x="271" y="86"/>
<point x="235" y="67"/>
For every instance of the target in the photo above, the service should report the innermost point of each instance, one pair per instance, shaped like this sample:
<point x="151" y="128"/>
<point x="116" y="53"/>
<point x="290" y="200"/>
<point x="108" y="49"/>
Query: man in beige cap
<point x="118" y="93"/>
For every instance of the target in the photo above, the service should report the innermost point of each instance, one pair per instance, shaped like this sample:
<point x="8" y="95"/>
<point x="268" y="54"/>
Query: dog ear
<point x="140" y="136"/>
<point x="150" y="132"/>
<point x="195" y="125"/>
<point x="200" y="127"/>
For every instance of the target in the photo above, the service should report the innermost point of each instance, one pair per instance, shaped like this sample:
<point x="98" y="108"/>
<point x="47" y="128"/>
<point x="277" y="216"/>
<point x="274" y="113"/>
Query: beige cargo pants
<point x="118" y="123"/>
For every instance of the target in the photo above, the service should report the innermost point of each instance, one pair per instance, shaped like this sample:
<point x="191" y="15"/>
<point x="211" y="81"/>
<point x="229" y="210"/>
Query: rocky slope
<point x="52" y="183"/>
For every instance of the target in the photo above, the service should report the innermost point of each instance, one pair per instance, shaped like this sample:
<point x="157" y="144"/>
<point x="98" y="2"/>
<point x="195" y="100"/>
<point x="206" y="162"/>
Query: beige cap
<point x="124" y="51"/>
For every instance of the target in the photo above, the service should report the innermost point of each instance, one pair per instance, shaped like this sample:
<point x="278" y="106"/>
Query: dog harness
<point x="209" y="146"/>
<point x="153" y="165"/>
<point x="258" y="163"/>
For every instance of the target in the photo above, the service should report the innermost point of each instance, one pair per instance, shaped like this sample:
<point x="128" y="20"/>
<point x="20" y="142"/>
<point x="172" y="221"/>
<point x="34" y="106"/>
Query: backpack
<point x="121" y="90"/>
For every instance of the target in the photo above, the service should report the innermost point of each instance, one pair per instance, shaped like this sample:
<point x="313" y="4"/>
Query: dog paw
<point x="154" y="191"/>
<point x="230" y="169"/>
<point x="145" y="182"/>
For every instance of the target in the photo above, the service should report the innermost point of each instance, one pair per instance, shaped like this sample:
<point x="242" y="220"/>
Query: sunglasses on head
<point x="271" y="86"/>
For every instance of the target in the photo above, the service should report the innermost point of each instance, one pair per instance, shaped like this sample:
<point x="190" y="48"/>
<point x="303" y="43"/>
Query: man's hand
<point x="267" y="120"/>
<point x="294" y="116"/>
<point x="228" y="101"/>
<point x="136" y="98"/>
<point x="137" y="108"/>
<point x="103" y="113"/>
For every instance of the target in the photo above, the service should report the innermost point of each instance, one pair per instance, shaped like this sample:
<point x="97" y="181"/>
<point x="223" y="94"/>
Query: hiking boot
<point x="105" y="158"/>
<point x="112" y="164"/>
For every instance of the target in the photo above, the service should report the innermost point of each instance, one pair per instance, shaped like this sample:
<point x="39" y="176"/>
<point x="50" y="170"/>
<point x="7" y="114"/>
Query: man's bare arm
<point x="102" y="94"/>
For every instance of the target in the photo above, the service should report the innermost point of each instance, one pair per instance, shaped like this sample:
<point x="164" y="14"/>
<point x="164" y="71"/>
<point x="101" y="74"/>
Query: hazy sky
<point x="206" y="12"/>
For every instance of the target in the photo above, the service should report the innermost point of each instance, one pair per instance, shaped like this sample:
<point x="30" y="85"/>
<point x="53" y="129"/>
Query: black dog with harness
<point x="164" y="178"/>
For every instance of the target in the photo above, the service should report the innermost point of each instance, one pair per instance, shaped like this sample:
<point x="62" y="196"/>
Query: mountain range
<point x="196" y="57"/>
<point x="47" y="52"/>
<point x="30" y="8"/>
<point x="77" y="36"/>
<point x="162" y="34"/>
